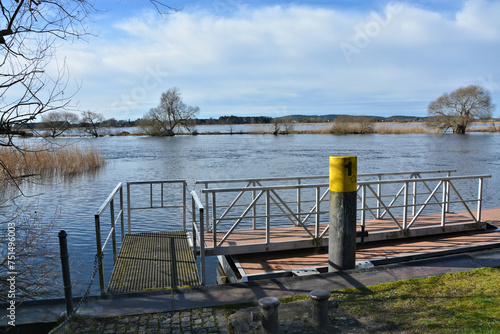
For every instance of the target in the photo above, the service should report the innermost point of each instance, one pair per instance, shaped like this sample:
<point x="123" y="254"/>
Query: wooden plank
<point x="150" y="261"/>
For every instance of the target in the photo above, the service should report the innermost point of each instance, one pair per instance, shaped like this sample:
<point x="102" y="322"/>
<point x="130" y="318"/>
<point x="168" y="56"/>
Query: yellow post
<point x="342" y="236"/>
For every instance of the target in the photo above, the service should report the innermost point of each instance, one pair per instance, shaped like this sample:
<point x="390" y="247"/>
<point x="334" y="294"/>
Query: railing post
<point x="214" y="220"/>
<point x="193" y="226"/>
<point x="445" y="202"/>
<point x="480" y="201"/>
<point x="405" y="205"/>
<point x="268" y="217"/>
<point x="207" y="207"/>
<point x="318" y="195"/>
<point x="113" y="230"/>
<point x="379" y="191"/>
<point x="448" y="194"/>
<point x="299" y="199"/>
<point x="63" y="247"/>
<point x="202" y="248"/>
<point x="128" y="209"/>
<point x="415" y="194"/>
<point x="184" y="194"/>
<point x="343" y="201"/>
<point x="99" y="254"/>
<point x="254" y="193"/>
<point x="363" y="214"/>
<point x="121" y="212"/>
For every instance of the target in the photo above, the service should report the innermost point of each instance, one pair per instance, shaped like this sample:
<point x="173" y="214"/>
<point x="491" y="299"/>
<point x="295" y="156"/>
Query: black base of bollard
<point x="320" y="307"/>
<point x="269" y="311"/>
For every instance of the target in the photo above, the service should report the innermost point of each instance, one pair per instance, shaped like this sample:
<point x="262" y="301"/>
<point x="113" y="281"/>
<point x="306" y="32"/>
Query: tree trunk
<point x="460" y="129"/>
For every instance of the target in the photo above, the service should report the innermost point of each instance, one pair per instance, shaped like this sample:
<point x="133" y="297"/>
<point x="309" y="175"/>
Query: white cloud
<point x="288" y="58"/>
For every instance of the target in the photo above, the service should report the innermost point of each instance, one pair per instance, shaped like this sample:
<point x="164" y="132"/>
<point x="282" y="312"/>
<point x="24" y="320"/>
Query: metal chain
<point x="85" y="295"/>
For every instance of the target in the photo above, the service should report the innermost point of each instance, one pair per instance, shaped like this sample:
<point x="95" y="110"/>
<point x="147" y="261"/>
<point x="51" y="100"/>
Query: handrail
<point x="360" y="183"/>
<point x="258" y="181"/>
<point x="198" y="234"/>
<point x="372" y="199"/>
<point x="162" y="204"/>
<point x="319" y="177"/>
<point x="109" y="202"/>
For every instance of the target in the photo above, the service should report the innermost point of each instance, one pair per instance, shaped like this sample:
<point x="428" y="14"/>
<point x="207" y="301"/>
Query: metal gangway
<point x="270" y="214"/>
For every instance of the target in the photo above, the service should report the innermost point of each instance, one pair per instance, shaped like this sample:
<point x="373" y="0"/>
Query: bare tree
<point x="457" y="109"/>
<point x="27" y="39"/>
<point x="29" y="30"/>
<point x="169" y="116"/>
<point x="57" y="122"/>
<point x="282" y="125"/>
<point x="91" y="122"/>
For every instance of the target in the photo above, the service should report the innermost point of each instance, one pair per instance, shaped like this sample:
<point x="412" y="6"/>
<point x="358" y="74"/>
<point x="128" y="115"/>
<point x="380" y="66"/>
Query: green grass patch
<point x="464" y="302"/>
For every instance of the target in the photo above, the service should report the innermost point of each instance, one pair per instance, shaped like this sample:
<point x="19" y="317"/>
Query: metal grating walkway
<point x="150" y="261"/>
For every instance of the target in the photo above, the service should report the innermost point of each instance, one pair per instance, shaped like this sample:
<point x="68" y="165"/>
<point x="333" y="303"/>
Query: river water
<point x="200" y="157"/>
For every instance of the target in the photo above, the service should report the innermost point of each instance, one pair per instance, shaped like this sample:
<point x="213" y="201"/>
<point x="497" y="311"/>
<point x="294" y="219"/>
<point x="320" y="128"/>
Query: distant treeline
<point x="222" y="120"/>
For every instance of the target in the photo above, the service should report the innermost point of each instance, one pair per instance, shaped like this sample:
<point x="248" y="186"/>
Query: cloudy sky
<point x="248" y="58"/>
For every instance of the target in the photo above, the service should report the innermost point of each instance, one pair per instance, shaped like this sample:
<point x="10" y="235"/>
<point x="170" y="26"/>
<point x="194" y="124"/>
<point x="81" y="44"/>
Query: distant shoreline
<point x="268" y="129"/>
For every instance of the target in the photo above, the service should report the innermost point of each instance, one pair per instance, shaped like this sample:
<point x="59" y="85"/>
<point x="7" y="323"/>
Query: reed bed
<point x="405" y="129"/>
<point x="39" y="160"/>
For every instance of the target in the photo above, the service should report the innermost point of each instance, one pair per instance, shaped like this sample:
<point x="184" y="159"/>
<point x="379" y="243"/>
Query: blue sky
<point x="276" y="58"/>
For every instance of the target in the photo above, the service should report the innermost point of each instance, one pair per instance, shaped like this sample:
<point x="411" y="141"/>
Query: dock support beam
<point x="342" y="234"/>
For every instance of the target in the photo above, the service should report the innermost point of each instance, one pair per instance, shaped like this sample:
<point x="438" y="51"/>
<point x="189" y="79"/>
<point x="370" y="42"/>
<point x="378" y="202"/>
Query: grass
<point x="465" y="302"/>
<point x="38" y="160"/>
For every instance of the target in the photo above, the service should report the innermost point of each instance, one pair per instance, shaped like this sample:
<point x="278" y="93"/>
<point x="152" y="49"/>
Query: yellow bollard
<point x="342" y="235"/>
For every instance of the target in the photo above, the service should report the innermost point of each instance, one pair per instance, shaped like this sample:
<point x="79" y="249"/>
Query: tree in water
<point x="456" y="110"/>
<point x="170" y="116"/>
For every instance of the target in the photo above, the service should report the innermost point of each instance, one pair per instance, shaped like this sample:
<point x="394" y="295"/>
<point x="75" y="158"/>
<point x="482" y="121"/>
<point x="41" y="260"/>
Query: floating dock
<point x="248" y="267"/>
<point x="278" y="227"/>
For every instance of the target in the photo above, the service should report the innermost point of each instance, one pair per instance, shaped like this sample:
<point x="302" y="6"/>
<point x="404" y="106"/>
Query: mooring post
<point x="63" y="245"/>
<point x="269" y="312"/>
<point x="342" y="234"/>
<point x="320" y="307"/>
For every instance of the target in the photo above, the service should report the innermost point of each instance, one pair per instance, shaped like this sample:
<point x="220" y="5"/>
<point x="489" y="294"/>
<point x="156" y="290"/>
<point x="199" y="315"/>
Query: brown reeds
<point x="405" y="129"/>
<point x="31" y="160"/>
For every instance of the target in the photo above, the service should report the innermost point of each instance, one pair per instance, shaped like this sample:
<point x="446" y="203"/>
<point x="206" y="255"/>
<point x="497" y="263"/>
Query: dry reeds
<point x="42" y="161"/>
<point x="405" y="129"/>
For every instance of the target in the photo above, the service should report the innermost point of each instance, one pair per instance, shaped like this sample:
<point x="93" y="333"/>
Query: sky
<point x="278" y="58"/>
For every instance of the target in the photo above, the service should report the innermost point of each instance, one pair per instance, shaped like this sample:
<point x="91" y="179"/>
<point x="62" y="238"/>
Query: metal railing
<point x="198" y="233"/>
<point x="108" y="203"/>
<point x="255" y="205"/>
<point x="263" y="204"/>
<point x="254" y="182"/>
<point x="155" y="201"/>
<point x="438" y="192"/>
<point x="158" y="201"/>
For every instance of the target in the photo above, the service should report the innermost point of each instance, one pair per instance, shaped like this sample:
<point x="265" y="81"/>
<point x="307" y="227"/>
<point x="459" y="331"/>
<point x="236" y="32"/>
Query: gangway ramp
<point x="155" y="260"/>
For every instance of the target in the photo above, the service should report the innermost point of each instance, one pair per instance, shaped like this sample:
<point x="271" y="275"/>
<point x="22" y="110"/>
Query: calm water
<point x="244" y="156"/>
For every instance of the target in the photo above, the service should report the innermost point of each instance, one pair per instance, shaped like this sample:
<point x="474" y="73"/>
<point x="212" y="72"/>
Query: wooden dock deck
<point x="265" y="264"/>
<point x="157" y="260"/>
